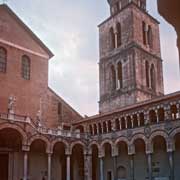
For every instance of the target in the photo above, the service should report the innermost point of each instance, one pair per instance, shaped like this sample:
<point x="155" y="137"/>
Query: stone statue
<point x="11" y="104"/>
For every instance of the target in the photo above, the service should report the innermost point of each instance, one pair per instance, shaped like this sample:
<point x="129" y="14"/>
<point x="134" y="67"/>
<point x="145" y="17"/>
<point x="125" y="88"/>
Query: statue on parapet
<point x="11" y="104"/>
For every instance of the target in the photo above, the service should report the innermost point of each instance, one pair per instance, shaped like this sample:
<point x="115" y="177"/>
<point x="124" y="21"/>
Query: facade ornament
<point x="11" y="104"/>
<point x="168" y="126"/>
<point x="147" y="131"/>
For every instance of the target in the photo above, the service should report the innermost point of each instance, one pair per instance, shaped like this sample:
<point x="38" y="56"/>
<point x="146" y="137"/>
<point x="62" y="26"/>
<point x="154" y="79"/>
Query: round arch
<point x="18" y="129"/>
<point x="91" y="144"/>
<point x="42" y="138"/>
<point x="161" y="134"/>
<point x="78" y="143"/>
<point x="66" y="144"/>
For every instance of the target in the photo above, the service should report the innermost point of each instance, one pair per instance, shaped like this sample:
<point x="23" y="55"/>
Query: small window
<point x="147" y="73"/>
<point x="144" y="32"/>
<point x="150" y="37"/>
<point x="118" y="27"/>
<point x="113" y="78"/>
<point x="112" y="39"/>
<point x="120" y="76"/>
<point x="3" y="59"/>
<point x="25" y="71"/>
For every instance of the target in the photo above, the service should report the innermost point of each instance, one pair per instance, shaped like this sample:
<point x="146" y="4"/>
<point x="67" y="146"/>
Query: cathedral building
<point x="135" y="136"/>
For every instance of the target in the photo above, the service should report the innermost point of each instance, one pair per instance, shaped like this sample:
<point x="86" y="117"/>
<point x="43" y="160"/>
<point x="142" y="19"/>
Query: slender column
<point x="178" y="110"/>
<point x="102" y="128"/>
<point x="126" y="122"/>
<point x="68" y="170"/>
<point x="101" y="169"/>
<point x="115" y="167"/>
<point x="25" y="165"/>
<point x="120" y="124"/>
<point x="107" y="127"/>
<point x="171" y="165"/>
<point x="116" y="44"/>
<point x="132" y="121"/>
<point x="138" y="118"/>
<point x="49" y="166"/>
<point x="132" y="166"/>
<point x="157" y="116"/>
<point x="88" y="166"/>
<point x="149" y="158"/>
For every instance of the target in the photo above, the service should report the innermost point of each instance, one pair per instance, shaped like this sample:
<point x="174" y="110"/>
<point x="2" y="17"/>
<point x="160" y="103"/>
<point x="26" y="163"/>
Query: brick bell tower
<point x="130" y="67"/>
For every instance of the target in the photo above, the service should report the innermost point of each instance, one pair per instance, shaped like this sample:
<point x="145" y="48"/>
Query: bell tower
<point x="130" y="67"/>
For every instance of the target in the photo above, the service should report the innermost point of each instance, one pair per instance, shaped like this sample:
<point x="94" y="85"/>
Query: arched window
<point x="120" y="75"/>
<point x="118" y="27"/>
<point x="147" y="73"/>
<point x="25" y="71"/>
<point x="150" y="36"/>
<point x="3" y="59"/>
<point x="113" y="78"/>
<point x="112" y="39"/>
<point x="144" y="32"/>
<point x="153" y="77"/>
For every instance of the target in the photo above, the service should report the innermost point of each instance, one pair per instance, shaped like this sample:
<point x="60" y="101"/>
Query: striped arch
<point x="142" y="137"/>
<point x="42" y="138"/>
<point x="172" y="137"/>
<point x="91" y="144"/>
<point x="158" y="133"/>
<point x="126" y="141"/>
<point x="66" y="144"/>
<point x="78" y="143"/>
<point x="102" y="149"/>
<point x="17" y="128"/>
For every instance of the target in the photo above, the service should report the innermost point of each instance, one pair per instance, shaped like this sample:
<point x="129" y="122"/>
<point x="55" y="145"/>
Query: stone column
<point x="49" y="165"/>
<point x="168" y="115"/>
<point x="138" y="118"/>
<point x="68" y="165"/>
<point x="101" y="168"/>
<point x="131" y="157"/>
<point x="171" y="165"/>
<point x="107" y="127"/>
<point x="115" y="167"/>
<point x="25" y="168"/>
<point x="126" y="122"/>
<point x="157" y="116"/>
<point x="132" y="122"/>
<point x="120" y="124"/>
<point x="116" y="43"/>
<point x="88" y="166"/>
<point x="149" y="158"/>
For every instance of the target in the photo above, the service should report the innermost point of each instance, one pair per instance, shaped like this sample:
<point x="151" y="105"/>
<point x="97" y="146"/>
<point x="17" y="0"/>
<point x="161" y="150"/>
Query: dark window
<point x="118" y="27"/>
<point x="112" y="39"/>
<point x="144" y="32"/>
<point x="153" y="77"/>
<point x="3" y="59"/>
<point x="113" y="78"/>
<point x="147" y="73"/>
<point x="25" y="71"/>
<point x="120" y="75"/>
<point x="109" y="175"/>
<point x="150" y="37"/>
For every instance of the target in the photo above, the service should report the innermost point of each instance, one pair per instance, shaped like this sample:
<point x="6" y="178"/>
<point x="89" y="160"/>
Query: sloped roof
<point x="27" y="29"/>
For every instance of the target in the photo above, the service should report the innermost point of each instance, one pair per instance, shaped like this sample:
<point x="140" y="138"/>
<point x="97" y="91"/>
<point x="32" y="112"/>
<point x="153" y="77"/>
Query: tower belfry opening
<point x="130" y="56"/>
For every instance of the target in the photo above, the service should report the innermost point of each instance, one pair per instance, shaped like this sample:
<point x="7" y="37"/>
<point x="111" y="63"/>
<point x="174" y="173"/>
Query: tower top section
<point x="117" y="5"/>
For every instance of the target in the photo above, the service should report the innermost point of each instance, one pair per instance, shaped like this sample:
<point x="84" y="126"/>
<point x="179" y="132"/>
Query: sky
<point x="69" y="29"/>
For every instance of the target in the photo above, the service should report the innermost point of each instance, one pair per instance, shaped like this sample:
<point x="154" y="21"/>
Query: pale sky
<point x="69" y="29"/>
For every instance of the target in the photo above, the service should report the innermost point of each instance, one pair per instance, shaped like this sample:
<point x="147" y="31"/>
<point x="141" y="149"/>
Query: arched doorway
<point x="160" y="160"/>
<point x="11" y="156"/>
<point x="95" y="162"/>
<point x="59" y="162"/>
<point x="140" y="160"/>
<point x="108" y="162"/>
<point x="77" y="162"/>
<point x="123" y="163"/>
<point x="37" y="158"/>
